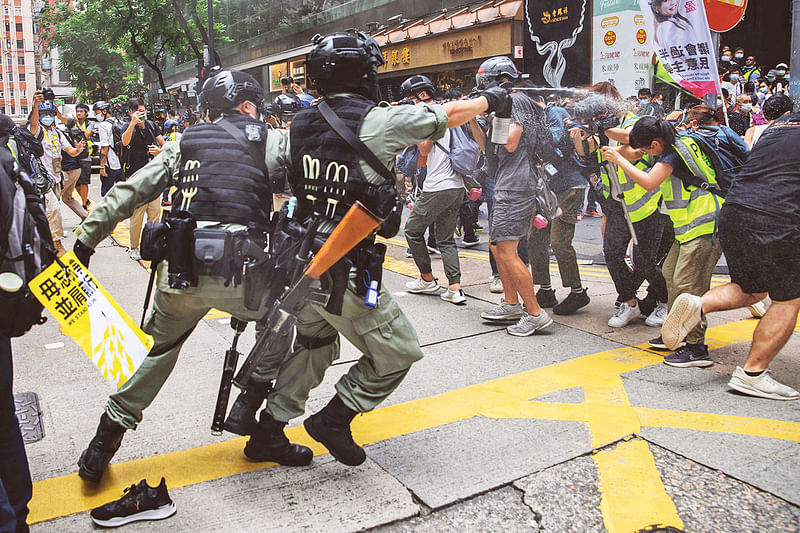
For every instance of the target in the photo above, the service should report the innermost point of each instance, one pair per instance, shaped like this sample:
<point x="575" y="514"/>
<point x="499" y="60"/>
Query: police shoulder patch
<point x="253" y="132"/>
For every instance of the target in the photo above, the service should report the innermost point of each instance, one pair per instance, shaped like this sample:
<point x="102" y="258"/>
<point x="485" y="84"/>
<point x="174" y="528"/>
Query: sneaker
<point x="496" y="286"/>
<point x="658" y="344"/>
<point x="420" y="286"/>
<point x="504" y="312"/>
<point x="466" y="243"/>
<point x="433" y="250"/>
<point x="139" y="502"/>
<point x="135" y="255"/>
<point x="595" y="214"/>
<point x="529" y="324"/>
<point x="408" y="253"/>
<point x="657" y="317"/>
<point x="758" y="310"/>
<point x="690" y="355"/>
<point x="762" y="386"/>
<point x="623" y="316"/>
<point x="477" y="227"/>
<point x="572" y="303"/>
<point x="546" y="298"/>
<point x="454" y="297"/>
<point x="682" y="318"/>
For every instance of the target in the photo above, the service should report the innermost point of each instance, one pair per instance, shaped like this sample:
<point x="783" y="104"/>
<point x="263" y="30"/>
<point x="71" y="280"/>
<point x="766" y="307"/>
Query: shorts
<point x="86" y="173"/>
<point x="759" y="259"/>
<point x="511" y="215"/>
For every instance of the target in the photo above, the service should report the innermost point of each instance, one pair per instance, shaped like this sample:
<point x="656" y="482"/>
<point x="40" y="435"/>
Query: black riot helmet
<point x="414" y="85"/>
<point x="345" y="62"/>
<point x="495" y="69"/>
<point x="286" y="106"/>
<point x="225" y="89"/>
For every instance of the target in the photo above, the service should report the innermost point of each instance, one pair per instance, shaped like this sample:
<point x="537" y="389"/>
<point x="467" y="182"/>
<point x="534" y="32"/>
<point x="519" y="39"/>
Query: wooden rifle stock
<point x="356" y="225"/>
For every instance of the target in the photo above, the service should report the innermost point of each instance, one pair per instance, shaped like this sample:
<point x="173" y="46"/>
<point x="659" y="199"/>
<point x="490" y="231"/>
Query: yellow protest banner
<point x="88" y="314"/>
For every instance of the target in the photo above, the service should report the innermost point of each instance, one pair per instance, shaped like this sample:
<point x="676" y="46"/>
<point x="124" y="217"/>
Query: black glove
<point x="82" y="252"/>
<point x="497" y="97"/>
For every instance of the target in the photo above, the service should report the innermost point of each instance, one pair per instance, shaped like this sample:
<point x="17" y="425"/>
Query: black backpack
<point x="29" y="150"/>
<point x="26" y="247"/>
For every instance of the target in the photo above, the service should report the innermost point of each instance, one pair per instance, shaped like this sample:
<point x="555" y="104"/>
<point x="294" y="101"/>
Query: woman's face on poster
<point x="667" y="8"/>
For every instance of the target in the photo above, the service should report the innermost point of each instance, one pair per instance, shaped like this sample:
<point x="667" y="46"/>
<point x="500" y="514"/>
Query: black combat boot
<point x="269" y="443"/>
<point x="94" y="459"/>
<point x="242" y="418"/>
<point x="331" y="427"/>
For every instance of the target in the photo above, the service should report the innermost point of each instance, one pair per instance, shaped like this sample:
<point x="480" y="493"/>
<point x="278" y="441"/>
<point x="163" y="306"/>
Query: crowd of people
<point x="670" y="207"/>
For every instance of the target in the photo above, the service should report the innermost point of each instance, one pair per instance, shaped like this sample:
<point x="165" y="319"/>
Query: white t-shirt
<point x="107" y="139"/>
<point x="440" y="175"/>
<point x="52" y="141"/>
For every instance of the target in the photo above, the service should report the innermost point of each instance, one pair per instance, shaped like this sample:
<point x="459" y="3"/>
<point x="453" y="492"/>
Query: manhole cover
<point x="29" y="416"/>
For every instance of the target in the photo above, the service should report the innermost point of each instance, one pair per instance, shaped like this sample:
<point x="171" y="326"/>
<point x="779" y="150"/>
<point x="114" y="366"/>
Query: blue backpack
<point x="466" y="156"/>
<point x="407" y="162"/>
<point x="726" y="151"/>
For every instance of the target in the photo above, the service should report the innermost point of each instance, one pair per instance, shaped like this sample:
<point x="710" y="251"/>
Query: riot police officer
<point x="286" y="106"/>
<point x="328" y="174"/>
<point x="223" y="189"/>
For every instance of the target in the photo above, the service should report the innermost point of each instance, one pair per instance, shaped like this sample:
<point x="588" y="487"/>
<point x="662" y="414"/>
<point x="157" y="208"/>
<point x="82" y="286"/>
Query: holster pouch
<point x="335" y="283"/>
<point x="154" y="241"/>
<point x="368" y="259"/>
<point x="213" y="253"/>
<point x="180" y="250"/>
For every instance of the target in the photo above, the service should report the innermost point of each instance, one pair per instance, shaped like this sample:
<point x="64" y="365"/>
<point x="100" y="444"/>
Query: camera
<point x="48" y="93"/>
<point x="287" y="80"/>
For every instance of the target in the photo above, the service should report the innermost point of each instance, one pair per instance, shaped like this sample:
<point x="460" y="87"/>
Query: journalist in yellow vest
<point x="651" y="227"/>
<point x="690" y="263"/>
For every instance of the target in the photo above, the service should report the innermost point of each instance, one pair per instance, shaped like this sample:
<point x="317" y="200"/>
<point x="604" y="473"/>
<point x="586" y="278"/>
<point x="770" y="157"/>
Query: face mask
<point x="725" y="59"/>
<point x="781" y="72"/>
<point x="719" y="102"/>
<point x="47" y="120"/>
<point x="739" y="56"/>
<point x="771" y="78"/>
<point x="763" y="90"/>
<point x="643" y="101"/>
<point x="100" y="118"/>
<point x="734" y="77"/>
<point x="747" y="107"/>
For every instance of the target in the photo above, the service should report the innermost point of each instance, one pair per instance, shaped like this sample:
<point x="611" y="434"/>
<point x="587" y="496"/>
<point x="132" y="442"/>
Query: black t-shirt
<point x="137" y="155"/>
<point x="769" y="181"/>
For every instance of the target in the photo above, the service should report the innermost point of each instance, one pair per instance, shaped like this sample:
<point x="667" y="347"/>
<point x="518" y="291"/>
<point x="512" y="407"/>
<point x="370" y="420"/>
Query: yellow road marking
<point x="606" y="410"/>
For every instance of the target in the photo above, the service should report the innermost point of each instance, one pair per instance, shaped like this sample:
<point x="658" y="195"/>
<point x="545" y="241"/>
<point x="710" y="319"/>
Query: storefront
<point x="448" y="48"/>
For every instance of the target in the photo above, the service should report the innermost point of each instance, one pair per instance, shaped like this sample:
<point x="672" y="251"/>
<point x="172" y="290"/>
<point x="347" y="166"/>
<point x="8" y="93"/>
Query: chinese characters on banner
<point x="89" y="315"/>
<point x="682" y="42"/>
<point x="622" y="50"/>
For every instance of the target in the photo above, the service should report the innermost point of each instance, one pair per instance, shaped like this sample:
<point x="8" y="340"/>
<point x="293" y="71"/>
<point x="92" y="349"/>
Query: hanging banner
<point x="88" y="314"/>
<point x="557" y="46"/>
<point x="682" y="40"/>
<point x="622" y="50"/>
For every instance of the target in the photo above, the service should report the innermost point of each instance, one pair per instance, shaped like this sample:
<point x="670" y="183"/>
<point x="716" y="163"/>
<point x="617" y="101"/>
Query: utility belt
<point x="367" y="259"/>
<point x="238" y="257"/>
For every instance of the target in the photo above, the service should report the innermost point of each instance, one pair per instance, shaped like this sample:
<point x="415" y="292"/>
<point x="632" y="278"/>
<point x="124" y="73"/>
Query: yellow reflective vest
<point x="693" y="210"/>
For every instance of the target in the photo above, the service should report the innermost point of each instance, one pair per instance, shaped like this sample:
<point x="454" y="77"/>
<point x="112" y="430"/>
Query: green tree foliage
<point x="103" y="42"/>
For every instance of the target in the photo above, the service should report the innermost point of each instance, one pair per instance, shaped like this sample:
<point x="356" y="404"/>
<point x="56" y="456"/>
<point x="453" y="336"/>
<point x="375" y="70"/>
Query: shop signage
<point x="622" y="51"/>
<point x="557" y="41"/>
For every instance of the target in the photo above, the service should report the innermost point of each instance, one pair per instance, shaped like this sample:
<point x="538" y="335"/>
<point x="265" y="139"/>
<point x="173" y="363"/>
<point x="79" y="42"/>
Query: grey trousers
<point x="441" y="209"/>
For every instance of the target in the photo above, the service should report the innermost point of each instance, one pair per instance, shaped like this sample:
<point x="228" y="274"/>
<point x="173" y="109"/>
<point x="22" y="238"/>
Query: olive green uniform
<point x="384" y="335"/>
<point x="175" y="312"/>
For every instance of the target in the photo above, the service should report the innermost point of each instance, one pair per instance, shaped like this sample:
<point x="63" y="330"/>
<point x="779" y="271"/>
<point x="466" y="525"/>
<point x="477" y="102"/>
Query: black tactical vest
<point x="230" y="186"/>
<point x="324" y="166"/>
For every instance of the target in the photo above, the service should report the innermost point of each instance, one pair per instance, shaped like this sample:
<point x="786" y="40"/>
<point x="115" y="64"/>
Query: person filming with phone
<point x="141" y="141"/>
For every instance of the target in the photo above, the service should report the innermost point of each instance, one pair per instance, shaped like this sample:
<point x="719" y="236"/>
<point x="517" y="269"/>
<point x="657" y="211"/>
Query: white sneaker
<point x="529" y="324"/>
<point x="623" y="316"/>
<point x="469" y="244"/>
<point x="420" y="286"/>
<point x="454" y="297"/>
<point x="135" y="255"/>
<point x="496" y="286"/>
<point x="762" y="386"/>
<point x="504" y="312"/>
<point x="758" y="309"/>
<point x="685" y="314"/>
<point x="657" y="317"/>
